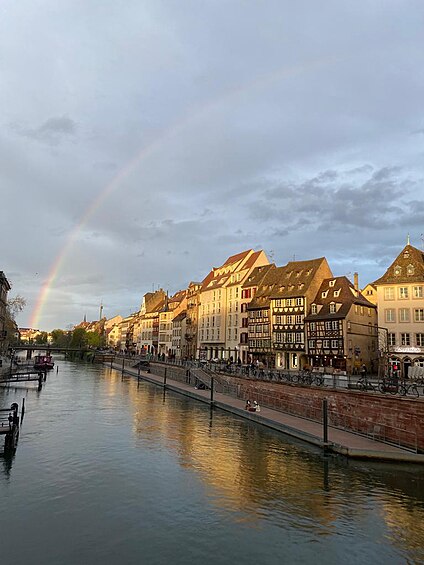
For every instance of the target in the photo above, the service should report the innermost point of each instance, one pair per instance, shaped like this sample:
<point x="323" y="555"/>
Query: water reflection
<point x="259" y="476"/>
<point x="122" y="462"/>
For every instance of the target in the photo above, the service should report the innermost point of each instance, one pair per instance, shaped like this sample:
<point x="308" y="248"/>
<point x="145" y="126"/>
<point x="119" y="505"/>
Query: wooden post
<point x="123" y="367"/>
<point x="164" y="378"/>
<point x="138" y="373"/>
<point x="40" y="381"/>
<point x="212" y="384"/>
<point x="325" y="421"/>
<point x="23" y="409"/>
<point x="45" y="376"/>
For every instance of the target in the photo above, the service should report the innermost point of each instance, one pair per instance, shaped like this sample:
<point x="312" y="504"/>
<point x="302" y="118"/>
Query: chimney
<point x="356" y="281"/>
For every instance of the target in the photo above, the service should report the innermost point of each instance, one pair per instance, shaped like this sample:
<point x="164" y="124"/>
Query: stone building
<point x="4" y="289"/>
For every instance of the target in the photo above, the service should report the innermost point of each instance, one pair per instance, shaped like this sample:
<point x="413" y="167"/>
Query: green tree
<point x="41" y="338"/>
<point x="13" y="307"/>
<point x="60" y="338"/>
<point x="79" y="338"/>
<point x="94" y="339"/>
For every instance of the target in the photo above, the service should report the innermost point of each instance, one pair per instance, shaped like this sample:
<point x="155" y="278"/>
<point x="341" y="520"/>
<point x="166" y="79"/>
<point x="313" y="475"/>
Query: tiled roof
<point x="296" y="277"/>
<point x="408" y="267"/>
<point x="337" y="290"/>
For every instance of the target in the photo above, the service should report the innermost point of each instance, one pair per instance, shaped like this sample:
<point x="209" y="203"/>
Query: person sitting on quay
<point x="248" y="405"/>
<point x="256" y="406"/>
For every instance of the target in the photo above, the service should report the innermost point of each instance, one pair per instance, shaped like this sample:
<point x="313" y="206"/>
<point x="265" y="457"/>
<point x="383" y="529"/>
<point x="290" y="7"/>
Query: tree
<point x="79" y="338"/>
<point x="61" y="338"/>
<point x="13" y="307"/>
<point x="94" y="339"/>
<point x="41" y="338"/>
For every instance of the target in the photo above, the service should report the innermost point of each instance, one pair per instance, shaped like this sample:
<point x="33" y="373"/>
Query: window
<point x="312" y="326"/>
<point x="324" y="294"/>
<point x="417" y="292"/>
<point x="336" y="293"/>
<point x="405" y="339"/>
<point x="392" y="339"/>
<point x="332" y="308"/>
<point x="289" y="302"/>
<point x="299" y="318"/>
<point x="419" y="315"/>
<point x="389" y="315"/>
<point x="334" y="344"/>
<point x="410" y="270"/>
<point x="299" y="301"/>
<point x="335" y="325"/>
<point x="311" y="344"/>
<point x="289" y="320"/>
<point x="326" y="344"/>
<point x="299" y="338"/>
<point x="389" y="293"/>
<point x="332" y="283"/>
<point x="314" y="309"/>
<point x="419" y="340"/>
<point x="403" y="292"/>
<point x="403" y="314"/>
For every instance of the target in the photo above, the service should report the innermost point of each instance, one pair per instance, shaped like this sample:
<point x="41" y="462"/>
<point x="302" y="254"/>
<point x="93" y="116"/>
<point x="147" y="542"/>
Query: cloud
<point x="52" y="131"/>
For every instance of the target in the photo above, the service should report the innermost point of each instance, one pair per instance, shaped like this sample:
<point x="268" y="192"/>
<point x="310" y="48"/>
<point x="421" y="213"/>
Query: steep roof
<point x="297" y="276"/>
<point x="408" y="267"/>
<point x="340" y="291"/>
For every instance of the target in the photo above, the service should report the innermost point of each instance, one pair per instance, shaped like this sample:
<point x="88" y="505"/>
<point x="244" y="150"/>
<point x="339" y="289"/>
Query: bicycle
<point x="389" y="385"/>
<point x="409" y="389"/>
<point x="365" y="385"/>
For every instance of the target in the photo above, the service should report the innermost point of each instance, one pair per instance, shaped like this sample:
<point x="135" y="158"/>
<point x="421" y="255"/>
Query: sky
<point x="144" y="142"/>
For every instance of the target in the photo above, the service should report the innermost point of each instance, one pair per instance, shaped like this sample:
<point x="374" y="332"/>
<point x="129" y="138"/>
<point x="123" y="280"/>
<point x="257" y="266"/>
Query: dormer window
<point x="332" y="308"/>
<point x="314" y="309"/>
<point x="336" y="293"/>
<point x="397" y="271"/>
<point x="332" y="283"/>
<point x="406" y="254"/>
<point x="324" y="294"/>
<point x="410" y="269"/>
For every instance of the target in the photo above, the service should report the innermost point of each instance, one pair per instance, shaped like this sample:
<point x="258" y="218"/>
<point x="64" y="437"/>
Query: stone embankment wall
<point x="395" y="419"/>
<point x="390" y="418"/>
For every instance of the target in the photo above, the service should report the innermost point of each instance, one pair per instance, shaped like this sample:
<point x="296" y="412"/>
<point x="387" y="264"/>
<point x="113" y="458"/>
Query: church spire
<point x="408" y="241"/>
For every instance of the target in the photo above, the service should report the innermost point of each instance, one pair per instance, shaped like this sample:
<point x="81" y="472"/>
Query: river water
<point x="107" y="472"/>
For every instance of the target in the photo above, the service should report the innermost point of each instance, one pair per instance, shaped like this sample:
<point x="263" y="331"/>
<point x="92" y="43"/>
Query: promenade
<point x="339" y="441"/>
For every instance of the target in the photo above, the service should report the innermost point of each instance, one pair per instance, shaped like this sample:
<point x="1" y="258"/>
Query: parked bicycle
<point x="365" y="385"/>
<point x="408" y="389"/>
<point x="389" y="385"/>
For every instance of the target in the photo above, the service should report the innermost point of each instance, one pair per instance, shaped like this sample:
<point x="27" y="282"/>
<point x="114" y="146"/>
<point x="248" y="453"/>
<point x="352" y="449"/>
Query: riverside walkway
<point x="339" y="441"/>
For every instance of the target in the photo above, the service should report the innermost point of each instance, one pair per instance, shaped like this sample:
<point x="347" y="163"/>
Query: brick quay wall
<point x="399" y="420"/>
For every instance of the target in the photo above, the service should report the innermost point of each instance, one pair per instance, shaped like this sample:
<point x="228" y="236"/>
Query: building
<point x="256" y="320"/>
<point x="341" y="328"/>
<point x="400" y="300"/>
<point x="219" y="310"/>
<point x="191" y="322"/>
<point x="298" y="284"/>
<point x="148" y="321"/>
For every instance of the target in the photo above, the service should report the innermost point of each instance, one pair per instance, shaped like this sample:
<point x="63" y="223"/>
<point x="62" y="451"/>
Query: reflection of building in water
<point x="406" y="527"/>
<point x="247" y="469"/>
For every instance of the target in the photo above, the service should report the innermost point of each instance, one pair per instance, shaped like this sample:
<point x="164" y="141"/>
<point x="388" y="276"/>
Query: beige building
<point x="148" y="331"/>
<point x="400" y="299"/>
<point x="220" y="302"/>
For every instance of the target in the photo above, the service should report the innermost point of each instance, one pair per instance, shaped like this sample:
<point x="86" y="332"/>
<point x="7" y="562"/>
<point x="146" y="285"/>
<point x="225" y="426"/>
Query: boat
<point x="43" y="362"/>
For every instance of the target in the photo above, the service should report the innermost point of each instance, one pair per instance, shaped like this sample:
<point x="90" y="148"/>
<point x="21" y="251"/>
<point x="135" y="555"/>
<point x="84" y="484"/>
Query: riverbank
<point x="339" y="441"/>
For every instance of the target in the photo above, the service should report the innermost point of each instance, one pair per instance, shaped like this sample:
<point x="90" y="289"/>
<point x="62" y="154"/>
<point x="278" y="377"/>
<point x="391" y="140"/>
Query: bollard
<point x="164" y="378"/>
<point x="23" y="410"/>
<point x="45" y="376"/>
<point x="123" y="367"/>
<point x="325" y="421"/>
<point x="212" y="383"/>
<point x="138" y="374"/>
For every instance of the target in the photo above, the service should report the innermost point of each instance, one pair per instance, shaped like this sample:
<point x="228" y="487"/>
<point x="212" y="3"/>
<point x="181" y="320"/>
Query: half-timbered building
<point x="341" y="328"/>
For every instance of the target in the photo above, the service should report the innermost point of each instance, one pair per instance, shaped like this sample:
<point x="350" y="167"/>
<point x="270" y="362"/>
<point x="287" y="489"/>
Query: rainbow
<point x="120" y="177"/>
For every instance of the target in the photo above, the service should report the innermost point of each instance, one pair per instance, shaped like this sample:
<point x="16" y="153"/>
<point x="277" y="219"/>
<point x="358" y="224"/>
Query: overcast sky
<point x="203" y="128"/>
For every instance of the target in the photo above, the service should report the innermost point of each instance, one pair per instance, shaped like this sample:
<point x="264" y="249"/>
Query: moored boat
<point x="43" y="362"/>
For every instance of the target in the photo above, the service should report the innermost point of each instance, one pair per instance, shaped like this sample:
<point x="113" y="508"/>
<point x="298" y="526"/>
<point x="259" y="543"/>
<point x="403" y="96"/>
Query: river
<point x="108" y="472"/>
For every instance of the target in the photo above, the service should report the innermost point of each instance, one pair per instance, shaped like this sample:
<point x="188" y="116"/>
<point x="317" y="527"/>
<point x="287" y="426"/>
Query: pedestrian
<point x="248" y="404"/>
<point x="363" y="370"/>
<point x="256" y="406"/>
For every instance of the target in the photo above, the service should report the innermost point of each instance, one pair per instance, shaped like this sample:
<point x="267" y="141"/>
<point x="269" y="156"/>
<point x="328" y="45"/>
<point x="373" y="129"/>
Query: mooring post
<point x="138" y="373"/>
<point x="23" y="410"/>
<point x="325" y="421"/>
<point x="164" y="378"/>
<point x="57" y="368"/>
<point x="45" y="376"/>
<point x="111" y="361"/>
<point x="40" y="381"/>
<point x="123" y="367"/>
<point x="212" y="384"/>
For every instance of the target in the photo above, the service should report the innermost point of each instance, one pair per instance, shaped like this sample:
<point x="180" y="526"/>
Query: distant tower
<point x="85" y="317"/>
<point x="101" y="310"/>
